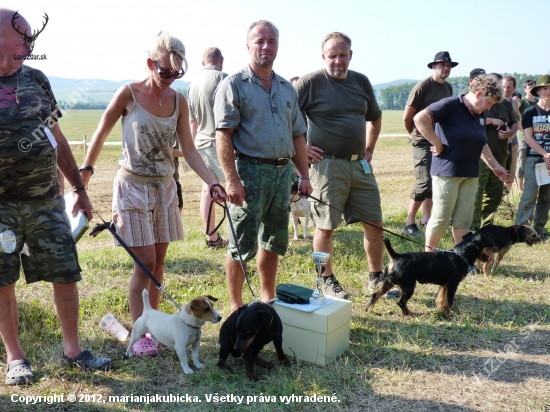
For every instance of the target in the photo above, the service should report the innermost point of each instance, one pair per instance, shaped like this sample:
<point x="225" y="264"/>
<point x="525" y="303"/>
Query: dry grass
<point x="493" y="355"/>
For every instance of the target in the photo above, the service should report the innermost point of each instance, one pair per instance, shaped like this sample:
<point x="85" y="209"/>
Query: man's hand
<point x="235" y="192"/>
<point x="314" y="154"/>
<point x="437" y="149"/>
<point x="501" y="173"/>
<point x="217" y="193"/>
<point x="368" y="155"/>
<point x="81" y="202"/>
<point x="304" y="188"/>
<point x="503" y="135"/>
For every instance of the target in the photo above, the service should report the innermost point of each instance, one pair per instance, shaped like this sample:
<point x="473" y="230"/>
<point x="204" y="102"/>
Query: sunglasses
<point x="168" y="74"/>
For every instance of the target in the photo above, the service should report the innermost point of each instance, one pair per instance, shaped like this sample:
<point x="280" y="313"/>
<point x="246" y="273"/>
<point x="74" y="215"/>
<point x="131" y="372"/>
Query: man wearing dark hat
<point x="424" y="93"/>
<point x="476" y="72"/>
<point x="501" y="124"/>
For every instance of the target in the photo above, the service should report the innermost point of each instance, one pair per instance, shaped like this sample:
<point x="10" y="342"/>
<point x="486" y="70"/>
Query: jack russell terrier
<point x="176" y="331"/>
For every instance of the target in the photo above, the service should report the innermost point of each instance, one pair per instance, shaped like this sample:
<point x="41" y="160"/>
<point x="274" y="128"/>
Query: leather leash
<point x="111" y="228"/>
<point x="225" y="213"/>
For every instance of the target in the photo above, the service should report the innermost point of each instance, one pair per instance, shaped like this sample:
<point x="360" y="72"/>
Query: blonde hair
<point x="168" y="44"/>
<point x="490" y="84"/>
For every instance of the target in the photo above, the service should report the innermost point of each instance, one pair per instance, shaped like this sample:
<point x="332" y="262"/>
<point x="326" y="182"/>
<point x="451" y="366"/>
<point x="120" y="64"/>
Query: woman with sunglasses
<point x="145" y="203"/>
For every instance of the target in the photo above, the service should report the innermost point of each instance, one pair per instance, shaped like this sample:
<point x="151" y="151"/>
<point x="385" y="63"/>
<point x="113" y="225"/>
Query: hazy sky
<point x="391" y="39"/>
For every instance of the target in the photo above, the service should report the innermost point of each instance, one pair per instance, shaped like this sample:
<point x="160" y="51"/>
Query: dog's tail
<point x="145" y="296"/>
<point x="391" y="253"/>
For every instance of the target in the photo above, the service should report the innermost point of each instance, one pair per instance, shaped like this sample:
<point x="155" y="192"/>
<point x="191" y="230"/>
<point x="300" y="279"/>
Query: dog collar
<point x="191" y="326"/>
<point x="462" y="257"/>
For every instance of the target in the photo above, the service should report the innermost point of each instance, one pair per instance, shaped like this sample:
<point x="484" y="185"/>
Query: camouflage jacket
<point x="28" y="162"/>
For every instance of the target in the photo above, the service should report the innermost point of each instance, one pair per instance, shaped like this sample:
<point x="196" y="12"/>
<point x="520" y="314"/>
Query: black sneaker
<point x="411" y="229"/>
<point x="332" y="288"/>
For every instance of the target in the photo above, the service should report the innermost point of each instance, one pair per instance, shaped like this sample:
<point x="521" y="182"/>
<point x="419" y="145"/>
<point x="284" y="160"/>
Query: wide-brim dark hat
<point x="442" y="56"/>
<point x="543" y="81"/>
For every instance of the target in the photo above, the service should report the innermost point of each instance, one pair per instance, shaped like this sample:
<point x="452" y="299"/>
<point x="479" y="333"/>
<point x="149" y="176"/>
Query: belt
<point x="143" y="180"/>
<point x="350" y="158"/>
<point x="280" y="162"/>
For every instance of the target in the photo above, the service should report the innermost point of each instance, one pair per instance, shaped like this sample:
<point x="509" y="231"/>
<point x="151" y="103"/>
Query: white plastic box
<point x="316" y="337"/>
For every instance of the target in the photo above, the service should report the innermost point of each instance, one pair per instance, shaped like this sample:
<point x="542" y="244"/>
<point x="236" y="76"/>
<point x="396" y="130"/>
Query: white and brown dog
<point x="176" y="331"/>
<point x="300" y="208"/>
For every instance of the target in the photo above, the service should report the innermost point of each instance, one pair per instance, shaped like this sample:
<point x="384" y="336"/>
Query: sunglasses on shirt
<point x="168" y="74"/>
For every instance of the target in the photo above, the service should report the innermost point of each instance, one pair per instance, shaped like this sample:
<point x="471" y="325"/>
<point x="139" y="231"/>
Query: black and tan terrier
<point x="444" y="268"/>
<point x="504" y="238"/>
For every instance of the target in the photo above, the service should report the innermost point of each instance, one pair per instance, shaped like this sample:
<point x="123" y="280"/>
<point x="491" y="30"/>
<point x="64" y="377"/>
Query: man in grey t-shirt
<point x="203" y="130"/>
<point x="339" y="103"/>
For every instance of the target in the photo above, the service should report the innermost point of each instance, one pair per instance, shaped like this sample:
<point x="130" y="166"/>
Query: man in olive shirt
<point x="501" y="124"/>
<point x="424" y="93"/>
<point x="338" y="103"/>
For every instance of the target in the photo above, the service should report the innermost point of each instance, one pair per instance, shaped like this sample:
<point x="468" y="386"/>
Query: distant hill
<point x="378" y="87"/>
<point x="91" y="93"/>
<point x="60" y="83"/>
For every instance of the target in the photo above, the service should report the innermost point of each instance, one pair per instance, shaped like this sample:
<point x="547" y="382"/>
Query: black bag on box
<point x="289" y="293"/>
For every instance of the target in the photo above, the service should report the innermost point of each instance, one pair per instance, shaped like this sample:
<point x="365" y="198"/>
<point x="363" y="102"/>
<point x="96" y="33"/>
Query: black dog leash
<point x="225" y="213"/>
<point x="373" y="225"/>
<point x="111" y="228"/>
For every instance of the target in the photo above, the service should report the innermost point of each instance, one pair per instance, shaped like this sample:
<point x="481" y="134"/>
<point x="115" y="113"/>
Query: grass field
<point x="492" y="355"/>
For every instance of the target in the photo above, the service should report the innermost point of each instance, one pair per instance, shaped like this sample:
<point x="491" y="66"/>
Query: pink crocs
<point x="145" y="347"/>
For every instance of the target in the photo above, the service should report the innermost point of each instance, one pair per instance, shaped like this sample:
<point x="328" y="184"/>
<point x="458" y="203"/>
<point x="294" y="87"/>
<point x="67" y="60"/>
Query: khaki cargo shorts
<point x="344" y="185"/>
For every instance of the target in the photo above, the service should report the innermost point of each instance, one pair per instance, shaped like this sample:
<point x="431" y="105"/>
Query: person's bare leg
<point x="458" y="233"/>
<point x="432" y="239"/>
<point x="66" y="303"/>
<point x="158" y="273"/>
<point x="374" y="247"/>
<point x="139" y="280"/>
<point x="414" y="205"/>
<point x="267" y="270"/>
<point x="9" y="324"/>
<point x="235" y="278"/>
<point x="520" y="184"/>
<point x="322" y="242"/>
<point x="426" y="210"/>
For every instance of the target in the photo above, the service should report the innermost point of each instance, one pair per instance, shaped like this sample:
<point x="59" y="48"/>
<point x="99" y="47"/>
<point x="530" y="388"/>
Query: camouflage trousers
<point x="488" y="197"/>
<point x="263" y="219"/>
<point x="44" y="245"/>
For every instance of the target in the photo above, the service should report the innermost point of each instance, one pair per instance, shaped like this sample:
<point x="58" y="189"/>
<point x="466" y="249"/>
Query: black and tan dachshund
<point x="444" y="268"/>
<point x="246" y="331"/>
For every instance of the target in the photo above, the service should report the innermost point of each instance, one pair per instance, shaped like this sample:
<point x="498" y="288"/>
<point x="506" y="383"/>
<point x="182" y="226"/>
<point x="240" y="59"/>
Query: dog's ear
<point x="198" y="304"/>
<point x="266" y="318"/>
<point x="241" y="309"/>
<point x="212" y="298"/>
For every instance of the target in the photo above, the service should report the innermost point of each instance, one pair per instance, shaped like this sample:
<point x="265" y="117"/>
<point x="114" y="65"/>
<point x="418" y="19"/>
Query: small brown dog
<point x="504" y="238"/>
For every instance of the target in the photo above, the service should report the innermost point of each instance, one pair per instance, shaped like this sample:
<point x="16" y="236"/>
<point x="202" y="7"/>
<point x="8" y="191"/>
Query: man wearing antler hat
<point x="32" y="211"/>
<point x="424" y="93"/>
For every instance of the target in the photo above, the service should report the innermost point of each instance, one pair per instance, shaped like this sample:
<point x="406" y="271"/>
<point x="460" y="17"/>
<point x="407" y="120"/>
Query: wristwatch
<point x="78" y="189"/>
<point x="87" y="167"/>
